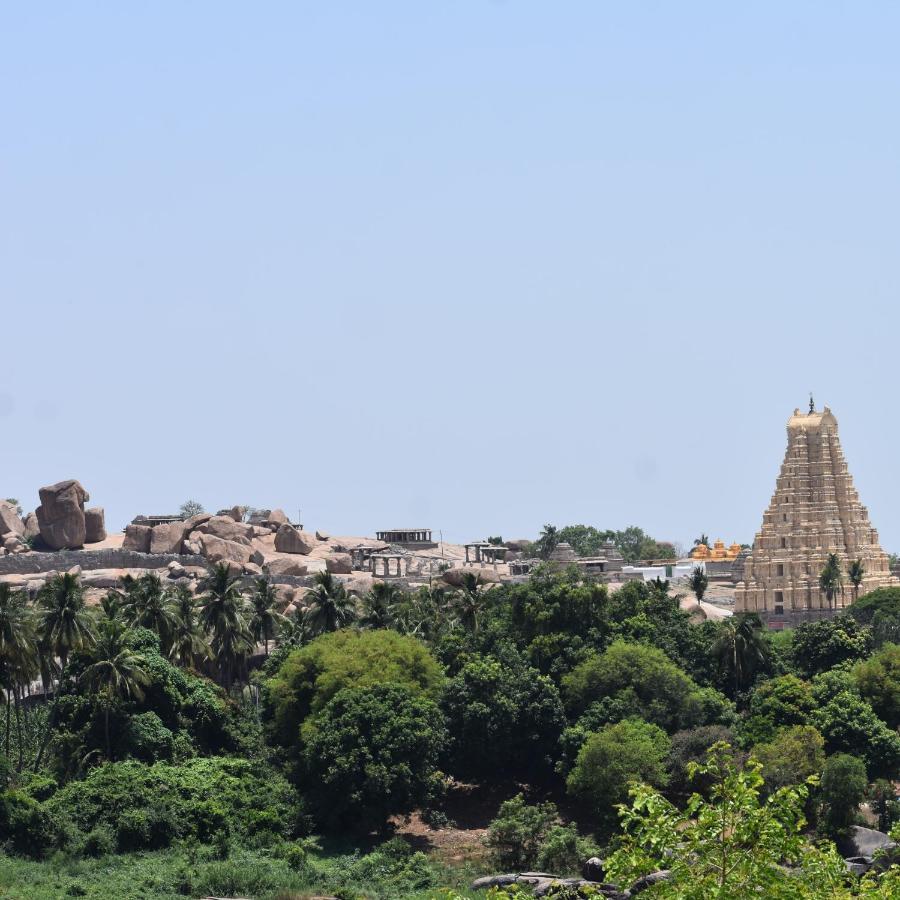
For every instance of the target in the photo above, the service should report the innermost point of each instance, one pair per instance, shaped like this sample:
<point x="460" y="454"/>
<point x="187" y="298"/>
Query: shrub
<point x="147" y="739"/>
<point x="516" y="834"/>
<point x="99" y="841"/>
<point x="843" y="789"/>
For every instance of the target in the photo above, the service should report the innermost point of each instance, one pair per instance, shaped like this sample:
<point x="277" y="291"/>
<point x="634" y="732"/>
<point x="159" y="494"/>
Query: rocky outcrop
<point x="455" y="577"/>
<point x="10" y="523"/>
<point x="339" y="564"/>
<point x="289" y="540"/>
<point x="278" y="517"/>
<point x="32" y="527"/>
<point x="216" y="550"/>
<point x="229" y="529"/>
<point x="167" y="538"/>
<point x="94" y="525"/>
<point x="542" y="883"/>
<point x="322" y="535"/>
<point x="137" y="537"/>
<point x="282" y="566"/>
<point x="61" y="515"/>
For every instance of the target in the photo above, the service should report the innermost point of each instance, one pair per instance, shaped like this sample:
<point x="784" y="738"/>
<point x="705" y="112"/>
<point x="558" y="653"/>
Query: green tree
<point x="632" y="750"/>
<point x="468" y="601"/>
<point x="516" y="834"/>
<point x="820" y="646"/>
<point x="116" y="672"/>
<point x="883" y="800"/>
<point x="189" y="646"/>
<point x="548" y="541"/>
<point x="18" y="655"/>
<point x="503" y="717"/>
<point x="741" y="649"/>
<point x="794" y="755"/>
<point x="190" y="508"/>
<point x="698" y="582"/>
<point x="222" y="617"/>
<point x="842" y="790"/>
<point x="775" y="704"/>
<point x="310" y="676"/>
<point x="878" y="681"/>
<point x="328" y="606"/>
<point x="64" y="623"/>
<point x="856" y="572"/>
<point x="831" y="581"/>
<point x="147" y="604"/>
<point x="703" y="539"/>
<point x="265" y="620"/>
<point x="730" y="845"/>
<point x="373" y="753"/>
<point x="380" y="604"/>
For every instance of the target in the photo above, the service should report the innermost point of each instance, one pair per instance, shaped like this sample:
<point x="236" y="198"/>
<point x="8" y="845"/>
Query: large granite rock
<point x="456" y="576"/>
<point x="283" y="566"/>
<point x="32" y="527"/>
<point x="289" y="540"/>
<point x="61" y="515"/>
<point x="216" y="550"/>
<point x="278" y="517"/>
<point x="10" y="523"/>
<point x="94" y="525"/>
<point x="167" y="538"/>
<point x="339" y="564"/>
<point x="137" y="537"/>
<point x="228" y="529"/>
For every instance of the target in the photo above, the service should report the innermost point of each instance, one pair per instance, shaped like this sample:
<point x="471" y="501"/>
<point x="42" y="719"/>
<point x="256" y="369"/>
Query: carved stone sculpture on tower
<point x="815" y="511"/>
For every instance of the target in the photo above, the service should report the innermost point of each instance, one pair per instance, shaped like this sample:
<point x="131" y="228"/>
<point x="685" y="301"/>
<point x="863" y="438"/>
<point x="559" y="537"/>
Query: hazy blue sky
<point x="466" y="265"/>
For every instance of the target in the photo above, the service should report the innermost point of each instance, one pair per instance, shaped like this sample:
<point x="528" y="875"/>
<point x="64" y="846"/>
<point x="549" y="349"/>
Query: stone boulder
<point x="253" y="569"/>
<point x="216" y="550"/>
<point x="278" y="517"/>
<point x="94" y="525"/>
<point x="10" y="523"/>
<point x="518" y="545"/>
<point x="137" y="537"/>
<point x="282" y="566"/>
<point x="359" y="585"/>
<point x="455" y="576"/>
<point x="339" y="564"/>
<point x="167" y="538"/>
<point x="289" y="540"/>
<point x="196" y="521"/>
<point x="12" y="543"/>
<point x="61" y="515"/>
<point x="859" y="841"/>
<point x="230" y="530"/>
<point x="593" y="869"/>
<point x="322" y="535"/>
<point x="32" y="527"/>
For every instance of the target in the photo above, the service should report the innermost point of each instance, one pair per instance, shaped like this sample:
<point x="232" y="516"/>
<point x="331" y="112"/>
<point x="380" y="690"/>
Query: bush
<point x="147" y="739"/>
<point x="145" y="829"/>
<point x="843" y="789"/>
<point x="516" y="834"/>
<point x="99" y="841"/>
<point x="24" y="823"/>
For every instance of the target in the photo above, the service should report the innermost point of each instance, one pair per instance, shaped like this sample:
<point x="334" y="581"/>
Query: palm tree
<point x="703" y="539"/>
<point x="188" y="646"/>
<point x="147" y="604"/>
<point x="856" y="572"/>
<point x="116" y="671"/>
<point x="265" y="620"/>
<point x="64" y="624"/>
<point x="379" y="605"/>
<point x="328" y="606"/>
<point x="741" y="647"/>
<point x="18" y="654"/>
<point x="548" y="541"/>
<point x="222" y="616"/>
<point x="698" y="582"/>
<point x="831" y="581"/>
<point x="469" y="601"/>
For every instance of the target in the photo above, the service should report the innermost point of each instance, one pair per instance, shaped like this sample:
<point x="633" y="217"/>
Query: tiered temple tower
<point x="814" y="511"/>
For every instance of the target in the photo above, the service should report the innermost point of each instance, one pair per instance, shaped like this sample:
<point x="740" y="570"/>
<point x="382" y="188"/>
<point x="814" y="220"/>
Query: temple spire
<point x="812" y="405"/>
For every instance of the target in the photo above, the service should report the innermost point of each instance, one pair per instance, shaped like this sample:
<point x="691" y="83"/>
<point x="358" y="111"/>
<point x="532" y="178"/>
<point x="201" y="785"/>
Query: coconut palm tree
<point x="548" y="541"/>
<point x="188" y="646"/>
<point x="468" y="601"/>
<point x="265" y="620"/>
<point x="64" y="623"/>
<point x="856" y="571"/>
<point x="115" y="673"/>
<point x="147" y="604"/>
<point x="222" y="617"/>
<point x="698" y="582"/>
<point x="328" y="606"/>
<point x="379" y="605"/>
<point x="741" y="647"/>
<point x="18" y="654"/>
<point x="831" y="581"/>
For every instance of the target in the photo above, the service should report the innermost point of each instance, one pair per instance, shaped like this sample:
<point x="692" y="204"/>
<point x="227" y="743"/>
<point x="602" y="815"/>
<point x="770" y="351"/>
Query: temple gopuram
<point x="815" y="511"/>
<point x="718" y="551"/>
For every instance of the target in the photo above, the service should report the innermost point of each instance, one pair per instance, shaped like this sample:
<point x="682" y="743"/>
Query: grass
<point x="184" y="872"/>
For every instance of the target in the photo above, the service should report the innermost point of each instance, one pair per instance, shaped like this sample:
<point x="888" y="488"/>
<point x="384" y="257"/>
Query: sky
<point x="471" y="266"/>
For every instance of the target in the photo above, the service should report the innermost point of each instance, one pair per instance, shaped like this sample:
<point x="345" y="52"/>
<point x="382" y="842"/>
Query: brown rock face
<point x="289" y="540"/>
<point x="229" y="530"/>
<point x="61" y="515"/>
<point x="32" y="527"/>
<point x="10" y="523"/>
<point x="167" y="538"/>
<point x="339" y="564"/>
<point x="455" y="576"/>
<point x="137" y="537"/>
<point x="215" y="549"/>
<point x="278" y="517"/>
<point x="286" y="567"/>
<point x="94" y="525"/>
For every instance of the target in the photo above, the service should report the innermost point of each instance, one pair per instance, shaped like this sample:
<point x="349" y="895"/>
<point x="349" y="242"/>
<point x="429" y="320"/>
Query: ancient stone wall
<point x="113" y="558"/>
